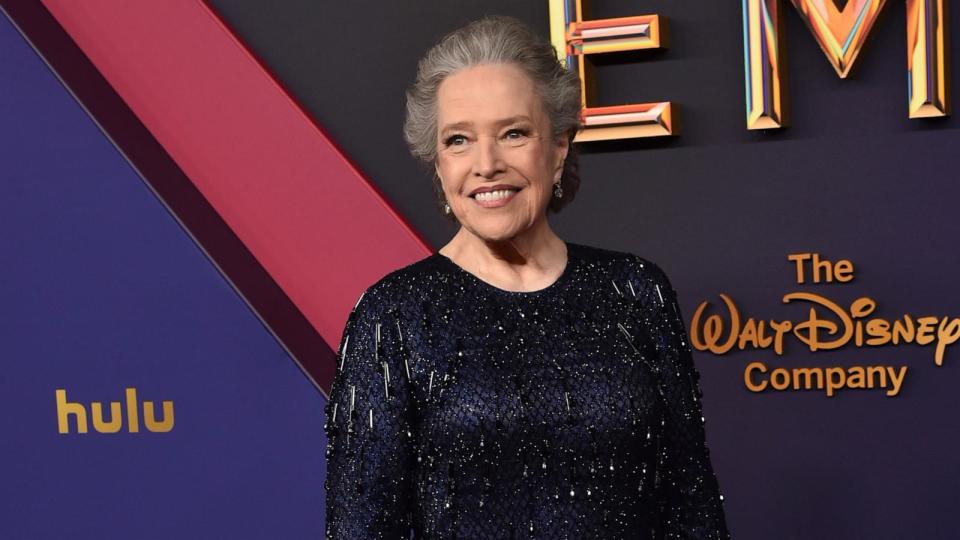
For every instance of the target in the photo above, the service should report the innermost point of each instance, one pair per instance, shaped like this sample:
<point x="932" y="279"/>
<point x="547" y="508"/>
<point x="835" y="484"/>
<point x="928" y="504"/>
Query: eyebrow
<point x="503" y="122"/>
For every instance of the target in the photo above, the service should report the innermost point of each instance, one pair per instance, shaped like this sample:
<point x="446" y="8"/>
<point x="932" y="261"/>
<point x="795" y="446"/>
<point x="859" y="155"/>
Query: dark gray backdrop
<point x="719" y="208"/>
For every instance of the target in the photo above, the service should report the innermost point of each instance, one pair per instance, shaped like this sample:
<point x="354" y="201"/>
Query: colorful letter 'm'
<point x="841" y="33"/>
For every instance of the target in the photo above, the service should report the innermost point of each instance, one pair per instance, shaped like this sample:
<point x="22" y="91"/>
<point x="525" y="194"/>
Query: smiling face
<point x="494" y="134"/>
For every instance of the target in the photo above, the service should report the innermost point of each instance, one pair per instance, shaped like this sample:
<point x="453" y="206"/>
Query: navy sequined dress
<point x="461" y="410"/>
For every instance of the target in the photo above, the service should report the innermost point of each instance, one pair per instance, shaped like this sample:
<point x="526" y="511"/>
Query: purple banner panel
<point x="141" y="397"/>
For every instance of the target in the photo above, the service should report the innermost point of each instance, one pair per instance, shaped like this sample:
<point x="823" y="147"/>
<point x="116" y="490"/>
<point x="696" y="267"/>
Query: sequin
<point x="485" y="405"/>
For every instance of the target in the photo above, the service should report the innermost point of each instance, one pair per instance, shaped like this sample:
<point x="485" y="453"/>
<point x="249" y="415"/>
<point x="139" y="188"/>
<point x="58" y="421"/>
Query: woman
<point x="513" y="384"/>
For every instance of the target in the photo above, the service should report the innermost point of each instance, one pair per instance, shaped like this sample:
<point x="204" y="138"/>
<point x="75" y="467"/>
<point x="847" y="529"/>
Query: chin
<point x="496" y="234"/>
<point x="492" y="236"/>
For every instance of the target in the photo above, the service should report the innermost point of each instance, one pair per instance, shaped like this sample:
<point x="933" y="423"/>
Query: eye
<point x="516" y="134"/>
<point x="451" y="140"/>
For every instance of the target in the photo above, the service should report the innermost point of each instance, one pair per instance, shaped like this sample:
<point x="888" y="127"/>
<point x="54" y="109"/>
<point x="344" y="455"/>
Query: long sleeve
<point x="369" y="428"/>
<point x="692" y="506"/>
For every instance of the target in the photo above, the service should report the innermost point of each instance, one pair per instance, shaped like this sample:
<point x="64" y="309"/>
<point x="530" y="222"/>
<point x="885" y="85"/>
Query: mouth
<point x="496" y="198"/>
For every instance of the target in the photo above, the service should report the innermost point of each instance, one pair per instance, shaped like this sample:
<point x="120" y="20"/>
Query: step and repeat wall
<point x="795" y="177"/>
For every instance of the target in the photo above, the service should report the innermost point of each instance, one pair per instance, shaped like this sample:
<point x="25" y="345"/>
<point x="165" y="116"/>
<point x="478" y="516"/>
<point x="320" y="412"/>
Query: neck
<point x="537" y="250"/>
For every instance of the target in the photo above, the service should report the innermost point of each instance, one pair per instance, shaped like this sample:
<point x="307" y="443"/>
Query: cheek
<point x="540" y="173"/>
<point x="450" y="175"/>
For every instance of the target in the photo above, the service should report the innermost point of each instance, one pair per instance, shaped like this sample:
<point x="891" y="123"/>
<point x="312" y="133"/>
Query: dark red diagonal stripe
<point x="319" y="229"/>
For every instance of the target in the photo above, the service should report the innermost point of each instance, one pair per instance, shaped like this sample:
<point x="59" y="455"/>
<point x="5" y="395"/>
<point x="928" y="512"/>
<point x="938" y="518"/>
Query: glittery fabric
<point x="461" y="410"/>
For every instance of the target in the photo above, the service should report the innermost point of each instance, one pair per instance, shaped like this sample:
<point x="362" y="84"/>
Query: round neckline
<point x="557" y="283"/>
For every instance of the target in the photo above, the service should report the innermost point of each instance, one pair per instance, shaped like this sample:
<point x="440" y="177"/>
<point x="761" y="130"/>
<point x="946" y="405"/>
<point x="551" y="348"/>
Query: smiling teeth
<point x="494" y="195"/>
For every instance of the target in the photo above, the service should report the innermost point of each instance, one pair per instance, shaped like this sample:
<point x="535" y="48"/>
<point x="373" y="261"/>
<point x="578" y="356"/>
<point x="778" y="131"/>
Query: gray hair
<point x="496" y="39"/>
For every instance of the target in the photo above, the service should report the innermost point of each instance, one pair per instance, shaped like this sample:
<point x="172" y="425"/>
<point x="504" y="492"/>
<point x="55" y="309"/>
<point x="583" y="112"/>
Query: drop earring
<point x="557" y="190"/>
<point x="446" y="205"/>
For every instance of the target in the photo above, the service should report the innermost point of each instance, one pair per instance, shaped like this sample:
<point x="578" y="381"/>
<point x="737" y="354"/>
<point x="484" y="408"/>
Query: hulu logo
<point x="66" y="409"/>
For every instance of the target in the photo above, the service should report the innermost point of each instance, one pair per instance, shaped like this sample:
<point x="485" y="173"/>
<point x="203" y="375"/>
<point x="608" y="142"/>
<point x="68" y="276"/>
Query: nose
<point x="488" y="161"/>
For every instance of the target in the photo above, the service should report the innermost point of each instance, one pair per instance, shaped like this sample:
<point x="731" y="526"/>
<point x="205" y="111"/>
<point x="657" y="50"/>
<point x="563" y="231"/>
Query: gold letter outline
<point x="841" y="35"/>
<point x="575" y="39"/>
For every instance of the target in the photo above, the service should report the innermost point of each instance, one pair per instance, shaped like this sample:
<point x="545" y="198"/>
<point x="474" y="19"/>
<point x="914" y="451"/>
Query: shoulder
<point x="625" y="265"/>
<point x="412" y="282"/>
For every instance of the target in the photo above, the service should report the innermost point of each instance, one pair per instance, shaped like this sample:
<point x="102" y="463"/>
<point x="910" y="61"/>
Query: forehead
<point x="486" y="93"/>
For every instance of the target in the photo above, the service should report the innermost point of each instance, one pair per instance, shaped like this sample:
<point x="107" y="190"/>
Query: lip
<point x="485" y="189"/>
<point x="497" y="203"/>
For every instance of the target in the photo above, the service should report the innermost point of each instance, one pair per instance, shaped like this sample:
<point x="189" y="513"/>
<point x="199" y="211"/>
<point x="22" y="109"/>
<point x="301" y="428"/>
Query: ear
<point x="563" y="147"/>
